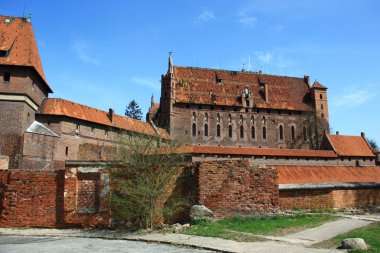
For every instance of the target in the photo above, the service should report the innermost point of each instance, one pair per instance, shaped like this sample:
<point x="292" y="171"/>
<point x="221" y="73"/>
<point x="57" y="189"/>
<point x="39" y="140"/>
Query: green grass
<point x="370" y="234"/>
<point x="258" y="225"/>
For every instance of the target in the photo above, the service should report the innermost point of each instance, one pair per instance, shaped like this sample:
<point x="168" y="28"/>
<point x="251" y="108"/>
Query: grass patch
<point x="370" y="234"/>
<point x="276" y="225"/>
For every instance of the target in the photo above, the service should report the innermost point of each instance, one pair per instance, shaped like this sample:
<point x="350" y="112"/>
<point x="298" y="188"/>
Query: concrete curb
<point x="80" y="233"/>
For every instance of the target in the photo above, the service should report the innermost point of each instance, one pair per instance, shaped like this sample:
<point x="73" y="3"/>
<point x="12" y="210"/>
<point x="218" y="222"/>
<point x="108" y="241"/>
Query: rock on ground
<point x="354" y="243"/>
<point x="200" y="212"/>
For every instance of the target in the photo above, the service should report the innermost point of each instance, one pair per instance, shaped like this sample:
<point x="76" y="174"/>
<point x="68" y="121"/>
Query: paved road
<point x="32" y="244"/>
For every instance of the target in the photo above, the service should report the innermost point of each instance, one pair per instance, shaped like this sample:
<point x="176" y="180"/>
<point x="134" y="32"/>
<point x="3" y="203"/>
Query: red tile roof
<point x="345" y="145"/>
<point x="327" y="174"/>
<point x="61" y="107"/>
<point x="200" y="86"/>
<point x="216" y="150"/>
<point x="318" y="85"/>
<point x="17" y="37"/>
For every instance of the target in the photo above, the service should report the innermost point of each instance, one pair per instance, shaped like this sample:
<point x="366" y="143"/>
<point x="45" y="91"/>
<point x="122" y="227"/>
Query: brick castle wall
<point x="45" y="199"/>
<point x="356" y="197"/>
<point x="325" y="199"/>
<point x="306" y="199"/>
<point x="31" y="199"/>
<point x="232" y="188"/>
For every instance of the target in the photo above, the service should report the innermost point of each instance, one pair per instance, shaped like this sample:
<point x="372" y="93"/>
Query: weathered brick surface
<point x="31" y="199"/>
<point x="356" y="197"/>
<point x="328" y="199"/>
<point x="237" y="188"/>
<point x="306" y="199"/>
<point x="43" y="199"/>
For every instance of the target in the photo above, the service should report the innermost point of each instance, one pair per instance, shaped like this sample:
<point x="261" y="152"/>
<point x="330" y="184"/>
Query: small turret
<point x="171" y="67"/>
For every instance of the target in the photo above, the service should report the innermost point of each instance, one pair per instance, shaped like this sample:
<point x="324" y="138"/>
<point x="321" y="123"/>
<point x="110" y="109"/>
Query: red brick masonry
<point x="234" y="187"/>
<point x="38" y="199"/>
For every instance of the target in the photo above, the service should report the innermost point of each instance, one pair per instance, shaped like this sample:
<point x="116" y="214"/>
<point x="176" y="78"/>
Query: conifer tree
<point x="133" y="110"/>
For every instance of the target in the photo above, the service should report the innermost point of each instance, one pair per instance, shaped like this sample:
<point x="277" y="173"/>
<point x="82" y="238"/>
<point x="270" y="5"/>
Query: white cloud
<point x="147" y="82"/>
<point x="354" y="98"/>
<point x="84" y="52"/>
<point x="205" y="16"/>
<point x="248" y="21"/>
<point x="264" y="58"/>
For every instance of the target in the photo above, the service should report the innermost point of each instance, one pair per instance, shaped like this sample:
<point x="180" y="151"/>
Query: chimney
<point x="337" y="132"/>
<point x="110" y="114"/>
<point x="362" y="134"/>
<point x="307" y="79"/>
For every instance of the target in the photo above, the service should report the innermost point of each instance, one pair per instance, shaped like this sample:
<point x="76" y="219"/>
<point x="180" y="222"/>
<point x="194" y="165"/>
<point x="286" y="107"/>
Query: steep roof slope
<point x="61" y="107"/>
<point x="223" y="87"/>
<point x="18" y="44"/>
<point x="345" y="145"/>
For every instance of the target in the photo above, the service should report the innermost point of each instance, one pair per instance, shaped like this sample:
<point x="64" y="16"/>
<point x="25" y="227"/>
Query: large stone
<point x="200" y="212"/>
<point x="4" y="162"/>
<point x="354" y="243"/>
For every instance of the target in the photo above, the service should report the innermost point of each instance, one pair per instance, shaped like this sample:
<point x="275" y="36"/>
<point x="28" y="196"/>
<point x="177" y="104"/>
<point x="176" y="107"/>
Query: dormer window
<point x="6" y="77"/>
<point x="219" y="81"/>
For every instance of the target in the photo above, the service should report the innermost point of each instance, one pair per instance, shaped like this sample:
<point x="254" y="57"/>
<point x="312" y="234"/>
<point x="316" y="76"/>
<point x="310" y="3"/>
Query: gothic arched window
<point x="281" y="132"/>
<point x="293" y="130"/>
<point x="264" y="133"/>
<point x="253" y="132"/>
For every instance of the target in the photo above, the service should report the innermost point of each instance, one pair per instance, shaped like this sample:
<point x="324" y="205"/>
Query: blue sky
<point x="106" y="53"/>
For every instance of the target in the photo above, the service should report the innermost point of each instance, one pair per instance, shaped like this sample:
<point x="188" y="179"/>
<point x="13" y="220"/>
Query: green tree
<point x="141" y="178"/>
<point x="133" y="110"/>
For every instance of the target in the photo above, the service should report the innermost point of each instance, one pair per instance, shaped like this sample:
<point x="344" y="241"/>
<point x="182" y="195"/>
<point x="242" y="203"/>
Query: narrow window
<point x="218" y="130"/>
<point x="206" y="117"/>
<point x="194" y="129"/>
<point x="229" y="119"/>
<point x="230" y="131"/>
<point x="253" y="132"/>
<point x="105" y="132"/>
<point x="252" y="120"/>
<point x="241" y="120"/>
<point x="304" y="131"/>
<point x="92" y="129"/>
<point x="320" y="96"/>
<point x="323" y="115"/>
<point x="7" y="77"/>
<point x="206" y="130"/>
<point x="264" y="121"/>
<point x="321" y="107"/>
<point x="293" y="133"/>
<point x="194" y="117"/>
<point x="241" y="132"/>
<point x="281" y="132"/>
<point x="67" y="151"/>
<point x="264" y="133"/>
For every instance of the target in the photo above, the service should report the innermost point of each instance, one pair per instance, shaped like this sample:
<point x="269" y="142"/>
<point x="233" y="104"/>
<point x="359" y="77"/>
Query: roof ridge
<point x="239" y="71"/>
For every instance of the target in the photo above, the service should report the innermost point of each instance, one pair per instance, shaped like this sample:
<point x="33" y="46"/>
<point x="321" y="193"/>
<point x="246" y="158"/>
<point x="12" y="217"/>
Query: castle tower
<point x="23" y="86"/>
<point x="167" y="96"/>
<point x="319" y="98"/>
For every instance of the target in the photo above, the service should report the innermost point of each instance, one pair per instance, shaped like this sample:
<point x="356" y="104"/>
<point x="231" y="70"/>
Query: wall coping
<point x="285" y="187"/>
